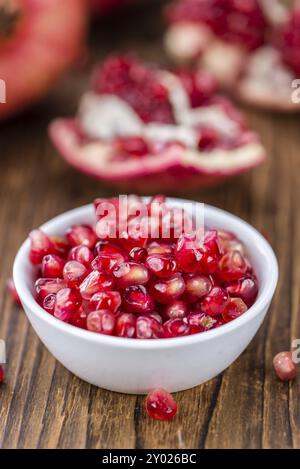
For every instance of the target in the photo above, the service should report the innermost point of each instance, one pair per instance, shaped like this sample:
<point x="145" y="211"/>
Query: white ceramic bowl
<point x="136" y="366"/>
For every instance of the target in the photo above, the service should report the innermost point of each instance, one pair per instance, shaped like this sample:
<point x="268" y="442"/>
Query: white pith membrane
<point x="104" y="118"/>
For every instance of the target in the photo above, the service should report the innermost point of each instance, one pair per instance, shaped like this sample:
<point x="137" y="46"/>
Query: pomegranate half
<point x="148" y="130"/>
<point x="39" y="40"/>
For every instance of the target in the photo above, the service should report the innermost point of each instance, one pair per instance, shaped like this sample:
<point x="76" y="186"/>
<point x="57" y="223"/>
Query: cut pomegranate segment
<point x="284" y="366"/>
<point x="160" y="405"/>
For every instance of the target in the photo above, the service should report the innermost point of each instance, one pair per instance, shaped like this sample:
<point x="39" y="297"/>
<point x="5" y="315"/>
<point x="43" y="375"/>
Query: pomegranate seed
<point x="148" y="328"/>
<point x="13" y="292"/>
<point x="131" y="273"/>
<point x="49" y="303"/>
<point x="80" y="235"/>
<point x="61" y="246"/>
<point x="52" y="266"/>
<point x="94" y="283"/>
<point x="160" y="405"/>
<point x="67" y="301"/>
<point x="234" y="308"/>
<point x="1" y="374"/>
<point x="176" y="328"/>
<point x="106" y="247"/>
<point x="215" y="302"/>
<point x="155" y="316"/>
<point x="110" y="300"/>
<point x="284" y="366"/>
<point x="129" y="241"/>
<point x="126" y="325"/>
<point x="176" y="310"/>
<point x="133" y="146"/>
<point x="200" y="322"/>
<point x="196" y="286"/>
<point x="106" y="262"/>
<point x="159" y="248"/>
<point x="187" y="255"/>
<point x="45" y="286"/>
<point x="246" y="289"/>
<point x="74" y="273"/>
<point x="208" y="139"/>
<point x="79" y="318"/>
<point x="81" y="254"/>
<point x="138" y="254"/>
<point x="233" y="266"/>
<point x="102" y="321"/>
<point x="165" y="291"/>
<point x="41" y="245"/>
<point x="136" y="299"/>
<point x="200" y="86"/>
<point x="162" y="265"/>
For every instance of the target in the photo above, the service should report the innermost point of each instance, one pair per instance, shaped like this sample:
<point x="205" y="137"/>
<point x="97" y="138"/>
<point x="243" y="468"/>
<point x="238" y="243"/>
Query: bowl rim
<point x="264" y="296"/>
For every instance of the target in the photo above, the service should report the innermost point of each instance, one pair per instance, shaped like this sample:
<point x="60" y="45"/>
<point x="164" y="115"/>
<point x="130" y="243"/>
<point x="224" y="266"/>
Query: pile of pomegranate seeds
<point x="284" y="366"/>
<point x="160" y="405"/>
<point x="142" y="287"/>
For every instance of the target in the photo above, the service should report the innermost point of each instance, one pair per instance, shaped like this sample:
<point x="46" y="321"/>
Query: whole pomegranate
<point x="39" y="40"/>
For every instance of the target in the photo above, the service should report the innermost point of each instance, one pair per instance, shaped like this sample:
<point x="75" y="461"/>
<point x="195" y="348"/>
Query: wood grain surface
<point x="42" y="405"/>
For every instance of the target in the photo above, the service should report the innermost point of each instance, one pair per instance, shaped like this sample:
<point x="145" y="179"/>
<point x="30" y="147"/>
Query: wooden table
<point x="41" y="403"/>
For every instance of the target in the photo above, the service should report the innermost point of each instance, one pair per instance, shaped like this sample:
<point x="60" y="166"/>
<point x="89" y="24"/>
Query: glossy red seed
<point x="102" y="321"/>
<point x="162" y="265"/>
<point x="246" y="289"/>
<point x="160" y="248"/>
<point x="215" y="302"/>
<point x="81" y="254"/>
<point x="155" y="315"/>
<point x="67" y="302"/>
<point x="187" y="254"/>
<point x="148" y="327"/>
<point x="133" y="146"/>
<point x="79" y="318"/>
<point x="234" y="308"/>
<point x="13" y="292"/>
<point x="131" y="273"/>
<point x="176" y="310"/>
<point x="160" y="405"/>
<point x="45" y="286"/>
<point x="74" y="273"/>
<point x="138" y="254"/>
<point x="136" y="299"/>
<point x="232" y="266"/>
<point x="110" y="300"/>
<point x="199" y="85"/>
<point x="52" y="266"/>
<point x="200" y="322"/>
<point x="106" y="262"/>
<point x="176" y="328"/>
<point x="108" y="247"/>
<point x="1" y="374"/>
<point x="126" y="325"/>
<point x="49" y="303"/>
<point x="165" y="291"/>
<point x="208" y="139"/>
<point x="40" y="246"/>
<point x="61" y="246"/>
<point x="284" y="366"/>
<point x="81" y="235"/>
<point x="196" y="287"/>
<point x="95" y="282"/>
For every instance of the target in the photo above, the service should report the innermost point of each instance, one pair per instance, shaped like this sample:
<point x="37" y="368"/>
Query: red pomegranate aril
<point x="200" y="86"/>
<point x="61" y="246"/>
<point x="81" y="254"/>
<point x="106" y="262"/>
<point x="130" y="241"/>
<point x="187" y="254"/>
<point x="126" y="325"/>
<point x="95" y="282"/>
<point x="1" y="374"/>
<point x="136" y="299"/>
<point x="45" y="286"/>
<point x="110" y="300"/>
<point x="234" y="308"/>
<point x="176" y="310"/>
<point x="232" y="266"/>
<point x="74" y="273"/>
<point x="165" y="291"/>
<point x="159" y="248"/>
<point x="215" y="302"/>
<point x="104" y="246"/>
<point x="49" y="303"/>
<point x="67" y="302"/>
<point x="246" y="289"/>
<point x="52" y="266"/>
<point x="160" y="405"/>
<point x="102" y="321"/>
<point x="155" y="315"/>
<point x="162" y="265"/>
<point x="41" y="245"/>
<point x="138" y="254"/>
<point x="81" y="235"/>
<point x="133" y="146"/>
<point x="176" y="328"/>
<point x="284" y="366"/>
<point x="196" y="287"/>
<point x="79" y="318"/>
<point x="131" y="273"/>
<point x="200" y="322"/>
<point x="148" y="328"/>
<point x="13" y="292"/>
<point x="208" y="139"/>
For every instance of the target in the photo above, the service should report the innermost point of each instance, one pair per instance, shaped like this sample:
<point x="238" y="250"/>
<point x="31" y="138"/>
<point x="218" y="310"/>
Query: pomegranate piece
<point x="187" y="254"/>
<point x="162" y="265"/>
<point x="49" y="303"/>
<point x="94" y="283"/>
<point x="131" y="273"/>
<point x="200" y="322"/>
<point x="234" y="308"/>
<point x="106" y="262"/>
<point x="81" y="235"/>
<point x="1" y="374"/>
<point x="52" y="266"/>
<point x="176" y="310"/>
<point x="160" y="405"/>
<point x="165" y="291"/>
<point x="136" y="299"/>
<point x="233" y="266"/>
<point x="284" y="366"/>
<point x="176" y="328"/>
<point x="102" y="321"/>
<point x="215" y="302"/>
<point x="45" y="286"/>
<point x="138" y="254"/>
<point x="246" y="289"/>
<point x="79" y="318"/>
<point x="74" y="273"/>
<point x="126" y="325"/>
<point x="40" y="246"/>
<point x="196" y="287"/>
<point x="133" y="146"/>
<point x="13" y="292"/>
<point x="81" y="254"/>
<point x="67" y="302"/>
<point x="148" y="328"/>
<point x="110" y="300"/>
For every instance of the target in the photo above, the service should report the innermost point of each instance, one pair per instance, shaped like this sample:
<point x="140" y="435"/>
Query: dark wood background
<point x="41" y="403"/>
